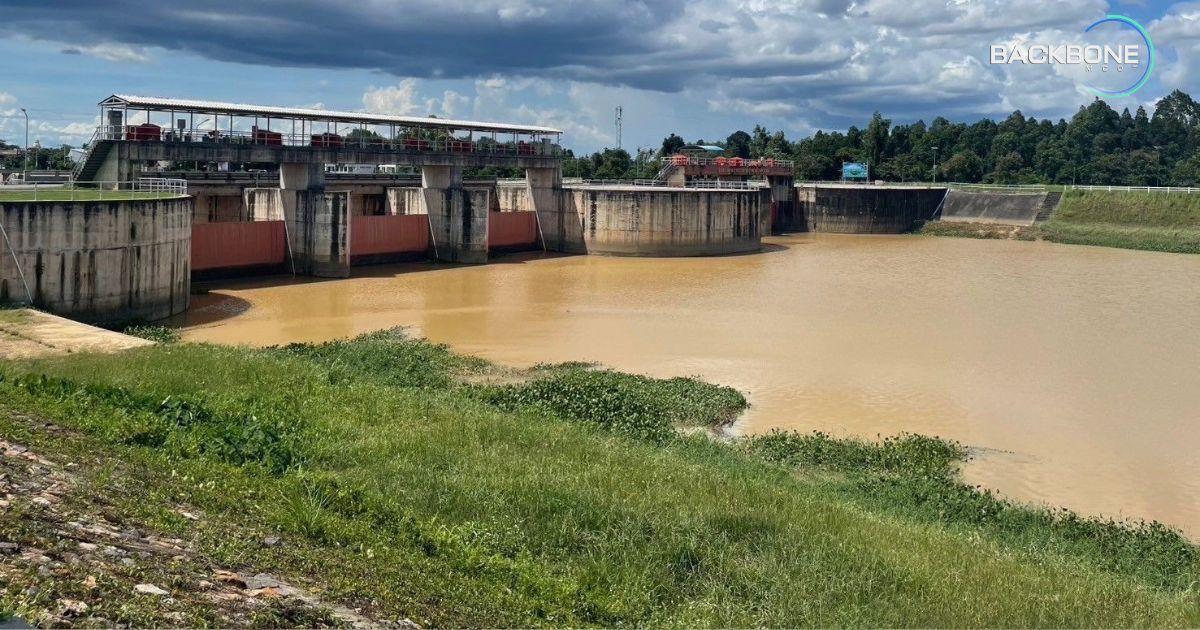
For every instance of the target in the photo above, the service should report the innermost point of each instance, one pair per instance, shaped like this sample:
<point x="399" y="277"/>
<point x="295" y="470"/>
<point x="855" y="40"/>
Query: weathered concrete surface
<point x="215" y="208"/>
<point x="783" y="203"/>
<point x="513" y="196"/>
<point x="28" y="334"/>
<point x="458" y="217"/>
<point x="99" y="261"/>
<point x="661" y="221"/>
<point x="407" y="200"/>
<point x="560" y="230"/>
<point x="851" y="209"/>
<point x="964" y="206"/>
<point x="263" y="204"/>
<point x="318" y="223"/>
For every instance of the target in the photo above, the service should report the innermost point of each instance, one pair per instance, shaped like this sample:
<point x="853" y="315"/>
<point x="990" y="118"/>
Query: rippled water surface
<point x="1074" y="370"/>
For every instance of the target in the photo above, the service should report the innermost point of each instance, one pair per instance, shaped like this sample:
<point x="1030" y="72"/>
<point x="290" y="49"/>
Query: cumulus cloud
<point x="400" y="99"/>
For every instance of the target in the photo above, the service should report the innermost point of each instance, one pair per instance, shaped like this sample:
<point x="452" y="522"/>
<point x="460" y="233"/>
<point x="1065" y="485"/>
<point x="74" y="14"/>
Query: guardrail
<point x="325" y="140"/>
<point x="657" y="183"/>
<point x="1187" y="190"/>
<point x="735" y="162"/>
<point x="141" y="188"/>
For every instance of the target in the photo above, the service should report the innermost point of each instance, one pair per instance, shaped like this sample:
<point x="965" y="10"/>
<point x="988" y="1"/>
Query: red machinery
<point x="262" y="136"/>
<point x="327" y="141"/>
<point x="460" y="146"/>
<point x="414" y="144"/>
<point x="145" y="131"/>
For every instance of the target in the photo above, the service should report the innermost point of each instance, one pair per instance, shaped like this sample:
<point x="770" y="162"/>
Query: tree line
<point x="1098" y="145"/>
<point x="12" y="157"/>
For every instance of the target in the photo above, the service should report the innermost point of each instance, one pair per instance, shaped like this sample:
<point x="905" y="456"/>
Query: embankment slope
<point x="561" y="498"/>
<point x="1157" y="221"/>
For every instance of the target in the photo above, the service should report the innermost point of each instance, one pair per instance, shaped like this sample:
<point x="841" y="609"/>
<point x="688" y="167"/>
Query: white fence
<point x="1187" y="190"/>
<point x="141" y="188"/>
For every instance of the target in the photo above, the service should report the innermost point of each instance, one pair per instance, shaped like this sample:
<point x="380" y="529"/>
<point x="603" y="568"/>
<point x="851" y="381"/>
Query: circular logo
<point x="1110" y="84"/>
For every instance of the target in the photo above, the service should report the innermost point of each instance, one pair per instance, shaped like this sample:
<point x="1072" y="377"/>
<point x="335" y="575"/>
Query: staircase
<point x="1049" y="203"/>
<point x="97" y="152"/>
<point x="665" y="171"/>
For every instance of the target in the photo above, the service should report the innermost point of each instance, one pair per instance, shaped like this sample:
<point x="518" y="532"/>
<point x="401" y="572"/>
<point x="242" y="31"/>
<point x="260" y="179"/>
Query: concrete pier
<point x="559" y="230"/>
<point x="318" y="222"/>
<point x="458" y="217"/>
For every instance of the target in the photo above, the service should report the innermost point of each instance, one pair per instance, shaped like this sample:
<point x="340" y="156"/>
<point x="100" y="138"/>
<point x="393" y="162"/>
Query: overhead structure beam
<point x="214" y="108"/>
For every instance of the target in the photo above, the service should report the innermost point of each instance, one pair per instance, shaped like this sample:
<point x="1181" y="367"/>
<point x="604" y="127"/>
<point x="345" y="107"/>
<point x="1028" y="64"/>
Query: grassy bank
<point x="404" y="481"/>
<point x="979" y="230"/>
<point x="1165" y="222"/>
<point x="1131" y="220"/>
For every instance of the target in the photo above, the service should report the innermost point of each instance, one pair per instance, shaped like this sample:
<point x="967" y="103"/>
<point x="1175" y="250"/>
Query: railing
<point x="142" y="188"/>
<point x="87" y="155"/>
<point x="835" y="182"/>
<point x="733" y="162"/>
<point x="1014" y="188"/>
<point x="325" y="140"/>
<point x="1158" y="189"/>
<point x="656" y="183"/>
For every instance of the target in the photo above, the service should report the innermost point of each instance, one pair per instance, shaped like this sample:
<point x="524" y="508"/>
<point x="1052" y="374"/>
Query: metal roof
<point x="241" y="109"/>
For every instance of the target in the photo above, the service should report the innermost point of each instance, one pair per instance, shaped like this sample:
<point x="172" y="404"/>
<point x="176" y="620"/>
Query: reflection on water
<point x="1076" y="370"/>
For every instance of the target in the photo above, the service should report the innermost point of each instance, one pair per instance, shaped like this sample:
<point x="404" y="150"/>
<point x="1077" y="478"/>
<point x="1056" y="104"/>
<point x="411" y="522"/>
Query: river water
<point x="1074" y="372"/>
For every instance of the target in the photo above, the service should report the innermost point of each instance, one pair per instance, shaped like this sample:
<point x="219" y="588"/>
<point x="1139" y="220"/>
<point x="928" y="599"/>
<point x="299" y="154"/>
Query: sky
<point x="700" y="68"/>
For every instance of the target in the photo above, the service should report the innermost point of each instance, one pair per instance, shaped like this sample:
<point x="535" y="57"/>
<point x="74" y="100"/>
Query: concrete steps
<point x="1049" y="203"/>
<point x="96" y="154"/>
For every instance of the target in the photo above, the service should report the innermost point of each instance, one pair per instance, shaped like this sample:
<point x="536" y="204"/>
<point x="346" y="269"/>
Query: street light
<point x="935" y="164"/>
<point x="25" y="172"/>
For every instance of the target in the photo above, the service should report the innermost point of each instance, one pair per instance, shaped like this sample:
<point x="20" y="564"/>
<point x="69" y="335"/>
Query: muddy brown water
<point x="1073" y="371"/>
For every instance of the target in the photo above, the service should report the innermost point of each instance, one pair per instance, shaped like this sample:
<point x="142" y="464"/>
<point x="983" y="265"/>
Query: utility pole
<point x="935" y="164"/>
<point x="25" y="171"/>
<point x="618" y="122"/>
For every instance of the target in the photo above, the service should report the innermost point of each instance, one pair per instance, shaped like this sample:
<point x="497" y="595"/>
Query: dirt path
<point x="26" y="333"/>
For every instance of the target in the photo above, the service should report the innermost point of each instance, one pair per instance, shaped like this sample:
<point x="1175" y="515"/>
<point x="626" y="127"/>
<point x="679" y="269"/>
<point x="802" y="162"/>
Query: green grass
<point x="81" y="194"/>
<point x="1131" y="220"/>
<point x="1164" y="222"/>
<point x="1130" y="209"/>
<point x="407" y="487"/>
<point x="160" y="334"/>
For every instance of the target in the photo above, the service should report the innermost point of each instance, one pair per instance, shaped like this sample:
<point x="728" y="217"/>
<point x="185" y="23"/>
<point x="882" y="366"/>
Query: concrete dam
<point x="134" y="259"/>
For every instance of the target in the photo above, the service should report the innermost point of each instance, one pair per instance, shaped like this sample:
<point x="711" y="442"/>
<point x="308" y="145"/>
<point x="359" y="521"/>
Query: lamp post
<point x="25" y="171"/>
<point x="935" y="164"/>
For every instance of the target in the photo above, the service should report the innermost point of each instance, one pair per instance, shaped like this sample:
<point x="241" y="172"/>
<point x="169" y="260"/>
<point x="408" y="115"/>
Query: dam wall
<point x="513" y="196"/>
<point x="858" y="209"/>
<point x="405" y="200"/>
<point x="99" y="261"/>
<point x="663" y="221"/>
<point x="1004" y="208"/>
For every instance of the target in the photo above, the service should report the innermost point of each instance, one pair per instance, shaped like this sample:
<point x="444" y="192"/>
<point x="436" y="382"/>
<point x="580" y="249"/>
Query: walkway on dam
<point x="132" y="130"/>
